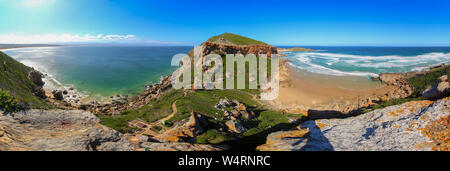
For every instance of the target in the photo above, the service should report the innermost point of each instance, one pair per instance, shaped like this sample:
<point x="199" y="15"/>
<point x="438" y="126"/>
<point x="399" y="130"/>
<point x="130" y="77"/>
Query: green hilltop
<point x="236" y="39"/>
<point x="14" y="79"/>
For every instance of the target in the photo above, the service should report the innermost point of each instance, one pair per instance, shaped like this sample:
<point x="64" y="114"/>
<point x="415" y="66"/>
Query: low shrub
<point x="7" y="102"/>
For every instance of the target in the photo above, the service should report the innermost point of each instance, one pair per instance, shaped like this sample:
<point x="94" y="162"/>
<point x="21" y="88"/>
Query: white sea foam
<point x="359" y="65"/>
<point x="328" y="71"/>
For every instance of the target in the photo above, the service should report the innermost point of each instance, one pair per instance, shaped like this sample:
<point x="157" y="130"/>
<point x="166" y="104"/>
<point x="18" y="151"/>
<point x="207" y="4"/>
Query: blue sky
<point x="278" y="22"/>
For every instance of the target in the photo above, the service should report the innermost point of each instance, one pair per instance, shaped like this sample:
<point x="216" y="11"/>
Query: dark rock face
<point x="58" y="94"/>
<point x="40" y="92"/>
<point x="58" y="130"/>
<point x="235" y="126"/>
<point x="36" y="77"/>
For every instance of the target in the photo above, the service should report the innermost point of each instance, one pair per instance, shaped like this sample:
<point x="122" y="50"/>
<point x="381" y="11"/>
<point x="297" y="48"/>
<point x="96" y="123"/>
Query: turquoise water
<point x="103" y="71"/>
<point x="368" y="61"/>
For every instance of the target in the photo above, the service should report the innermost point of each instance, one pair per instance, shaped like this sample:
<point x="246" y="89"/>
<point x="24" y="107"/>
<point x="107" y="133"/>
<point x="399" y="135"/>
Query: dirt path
<point x="147" y="130"/>
<point x="174" y="109"/>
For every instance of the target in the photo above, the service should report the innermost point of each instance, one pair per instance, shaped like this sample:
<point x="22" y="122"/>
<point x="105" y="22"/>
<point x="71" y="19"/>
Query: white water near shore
<point x="338" y="64"/>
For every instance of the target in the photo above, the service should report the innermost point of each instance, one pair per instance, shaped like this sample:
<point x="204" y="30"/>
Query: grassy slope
<point x="203" y="102"/>
<point x="14" y="78"/>
<point x="237" y="39"/>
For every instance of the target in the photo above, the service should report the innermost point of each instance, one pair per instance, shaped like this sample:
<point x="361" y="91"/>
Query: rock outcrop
<point x="413" y="126"/>
<point x="121" y="103"/>
<point x="401" y="86"/>
<point x="36" y="77"/>
<point x="235" y="126"/>
<point x="437" y="90"/>
<point x="186" y="132"/>
<point x="58" y="94"/>
<point x="58" y="130"/>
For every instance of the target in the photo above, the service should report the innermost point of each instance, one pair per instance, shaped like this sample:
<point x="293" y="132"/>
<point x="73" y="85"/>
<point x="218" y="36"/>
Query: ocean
<point x="367" y="61"/>
<point x="109" y="70"/>
<point x="101" y="71"/>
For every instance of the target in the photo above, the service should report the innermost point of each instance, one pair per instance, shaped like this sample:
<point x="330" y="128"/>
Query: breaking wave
<point x="358" y="65"/>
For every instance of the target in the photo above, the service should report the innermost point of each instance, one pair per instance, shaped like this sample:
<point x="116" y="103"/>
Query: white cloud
<point x="63" y="38"/>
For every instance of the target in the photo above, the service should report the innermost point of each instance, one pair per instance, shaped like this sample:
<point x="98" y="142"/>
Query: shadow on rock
<point x="316" y="140"/>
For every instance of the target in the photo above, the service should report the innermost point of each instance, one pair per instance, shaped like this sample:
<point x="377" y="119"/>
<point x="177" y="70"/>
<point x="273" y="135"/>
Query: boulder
<point x="235" y="126"/>
<point x="280" y="141"/>
<point x="391" y="78"/>
<point x="186" y="132"/>
<point x="196" y="124"/>
<point x="58" y="94"/>
<point x="40" y="92"/>
<point x="405" y="127"/>
<point x="437" y="90"/>
<point x="36" y="77"/>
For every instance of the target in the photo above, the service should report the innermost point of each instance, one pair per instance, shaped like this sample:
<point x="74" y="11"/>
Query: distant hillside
<point x="14" y="78"/>
<point x="230" y="38"/>
<point x="297" y="49"/>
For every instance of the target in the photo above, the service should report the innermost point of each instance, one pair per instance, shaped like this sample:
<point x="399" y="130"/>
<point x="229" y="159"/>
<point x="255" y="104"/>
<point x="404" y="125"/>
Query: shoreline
<point x="52" y="84"/>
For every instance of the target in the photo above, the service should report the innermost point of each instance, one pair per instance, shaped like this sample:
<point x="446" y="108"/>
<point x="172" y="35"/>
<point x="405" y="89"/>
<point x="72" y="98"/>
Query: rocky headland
<point x="297" y="49"/>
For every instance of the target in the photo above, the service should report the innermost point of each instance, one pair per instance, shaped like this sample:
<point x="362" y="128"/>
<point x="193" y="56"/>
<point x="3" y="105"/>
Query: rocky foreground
<point x="74" y="130"/>
<point x="57" y="130"/>
<point x="412" y="126"/>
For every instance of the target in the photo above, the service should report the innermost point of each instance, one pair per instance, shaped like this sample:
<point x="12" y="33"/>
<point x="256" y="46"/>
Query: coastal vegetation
<point x="422" y="82"/>
<point x="236" y="39"/>
<point x="7" y="102"/>
<point x="14" y="79"/>
<point x="419" y="83"/>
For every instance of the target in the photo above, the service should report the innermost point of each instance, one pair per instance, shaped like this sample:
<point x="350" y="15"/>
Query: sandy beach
<point x="302" y="91"/>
